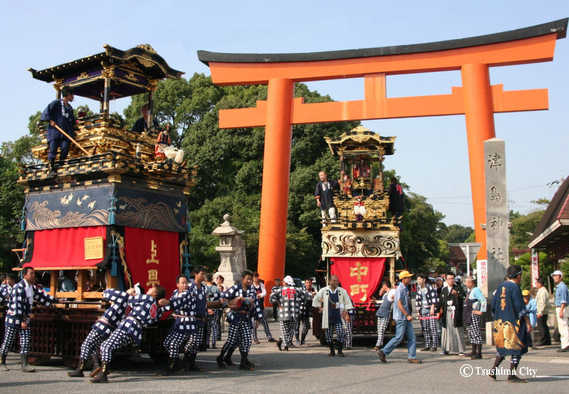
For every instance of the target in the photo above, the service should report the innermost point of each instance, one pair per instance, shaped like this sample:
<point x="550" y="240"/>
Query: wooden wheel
<point x="38" y="360"/>
<point x="160" y="358"/>
<point x="70" y="361"/>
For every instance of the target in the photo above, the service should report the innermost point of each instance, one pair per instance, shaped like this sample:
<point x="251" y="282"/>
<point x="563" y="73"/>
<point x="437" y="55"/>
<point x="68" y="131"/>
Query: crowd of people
<point x="447" y="307"/>
<point x="444" y="308"/>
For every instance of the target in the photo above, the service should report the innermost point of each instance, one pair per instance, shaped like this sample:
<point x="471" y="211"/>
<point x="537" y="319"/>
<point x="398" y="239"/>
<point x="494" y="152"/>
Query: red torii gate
<point x="476" y="99"/>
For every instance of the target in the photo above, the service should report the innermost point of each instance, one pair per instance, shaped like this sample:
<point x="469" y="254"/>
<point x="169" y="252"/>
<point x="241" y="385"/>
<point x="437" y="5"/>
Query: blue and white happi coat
<point x="145" y="311"/>
<point x="21" y="306"/>
<point x="110" y="319"/>
<point x="235" y="316"/>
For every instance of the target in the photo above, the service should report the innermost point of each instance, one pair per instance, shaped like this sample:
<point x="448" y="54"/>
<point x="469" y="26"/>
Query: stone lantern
<point x="232" y="250"/>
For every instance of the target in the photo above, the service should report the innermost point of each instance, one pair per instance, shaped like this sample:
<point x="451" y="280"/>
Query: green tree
<point x="454" y="233"/>
<point x="419" y="240"/>
<point x="545" y="268"/>
<point x="11" y="203"/>
<point x="230" y="164"/>
<point x="523" y="227"/>
<point x="178" y="103"/>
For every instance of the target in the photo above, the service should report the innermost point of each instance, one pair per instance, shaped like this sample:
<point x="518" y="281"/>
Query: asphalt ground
<point x="307" y="369"/>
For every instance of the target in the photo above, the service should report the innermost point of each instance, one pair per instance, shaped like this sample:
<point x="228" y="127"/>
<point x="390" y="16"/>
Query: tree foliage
<point x="523" y="227"/>
<point x="419" y="240"/>
<point x="11" y="203"/>
<point x="230" y="164"/>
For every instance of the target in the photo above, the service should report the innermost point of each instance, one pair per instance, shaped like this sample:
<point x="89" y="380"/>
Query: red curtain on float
<point x="361" y="277"/>
<point x="64" y="247"/>
<point x="152" y="257"/>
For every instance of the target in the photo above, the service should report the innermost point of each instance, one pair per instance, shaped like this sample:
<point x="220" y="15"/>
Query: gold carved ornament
<point x="120" y="242"/>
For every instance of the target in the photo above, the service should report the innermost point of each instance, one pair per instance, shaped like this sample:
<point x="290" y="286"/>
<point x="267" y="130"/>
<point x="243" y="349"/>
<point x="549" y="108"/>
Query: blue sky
<point x="431" y="152"/>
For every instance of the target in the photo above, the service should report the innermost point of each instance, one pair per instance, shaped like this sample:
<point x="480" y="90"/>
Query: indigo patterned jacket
<point x="20" y="308"/>
<point x="114" y="314"/>
<point x="145" y="311"/>
<point x="431" y="298"/>
<point x="235" y="316"/>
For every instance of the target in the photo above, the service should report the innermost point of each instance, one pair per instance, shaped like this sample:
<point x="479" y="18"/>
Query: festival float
<point x="115" y="211"/>
<point x="362" y="245"/>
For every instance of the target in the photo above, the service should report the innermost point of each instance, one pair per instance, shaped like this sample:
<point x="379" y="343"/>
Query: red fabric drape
<point x="361" y="277"/>
<point x="152" y="257"/>
<point x="64" y="247"/>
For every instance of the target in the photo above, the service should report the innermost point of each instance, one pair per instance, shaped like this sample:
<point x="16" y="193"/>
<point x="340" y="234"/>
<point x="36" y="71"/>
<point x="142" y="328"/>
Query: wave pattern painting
<point x="137" y="212"/>
<point x="40" y="217"/>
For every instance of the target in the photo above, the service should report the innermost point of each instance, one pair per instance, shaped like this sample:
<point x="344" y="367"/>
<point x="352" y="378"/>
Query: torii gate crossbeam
<point x="477" y="99"/>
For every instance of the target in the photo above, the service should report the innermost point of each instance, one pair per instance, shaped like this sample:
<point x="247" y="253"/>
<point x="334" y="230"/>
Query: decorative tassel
<point x="113" y="208"/>
<point x="23" y="220"/>
<point x="188" y="224"/>
<point x="114" y="258"/>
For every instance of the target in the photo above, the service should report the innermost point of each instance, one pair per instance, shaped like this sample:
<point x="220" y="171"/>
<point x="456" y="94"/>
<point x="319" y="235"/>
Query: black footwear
<point x="96" y="365"/>
<point x="245" y="365"/>
<point x="186" y="362"/>
<point x="292" y="345"/>
<point x="245" y="359"/>
<point x="78" y="373"/>
<point x="192" y="365"/>
<point x="52" y="168"/>
<point x="433" y="349"/>
<point x="272" y="340"/>
<point x="513" y="378"/>
<point x="279" y="344"/>
<point x="227" y="359"/>
<point x="102" y="376"/>
<point x="472" y="353"/>
<point x="220" y="362"/>
<point x="213" y="347"/>
<point x="25" y="367"/>
<point x="497" y="362"/>
<point x="381" y="356"/>
<point x="425" y="349"/>
<point x="332" y="351"/>
<point x="340" y="352"/>
<point x="170" y="367"/>
<point x="3" y="365"/>
<point x="478" y="354"/>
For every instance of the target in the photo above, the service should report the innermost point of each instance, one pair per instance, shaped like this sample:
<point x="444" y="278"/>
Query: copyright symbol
<point x="466" y="370"/>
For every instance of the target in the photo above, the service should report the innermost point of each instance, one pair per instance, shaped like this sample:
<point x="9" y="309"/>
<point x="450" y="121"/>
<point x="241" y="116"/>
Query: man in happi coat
<point x="59" y="113"/>
<point x="334" y="303"/>
<point x="258" y="313"/>
<point x="511" y="323"/>
<point x="243" y="295"/>
<point x="18" y="316"/>
<point x="289" y="299"/>
<point x="102" y="329"/>
<point x="146" y="309"/>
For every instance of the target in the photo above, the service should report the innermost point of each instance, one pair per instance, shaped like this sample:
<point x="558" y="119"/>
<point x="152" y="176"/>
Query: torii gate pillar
<point x="276" y="176"/>
<point x="479" y="116"/>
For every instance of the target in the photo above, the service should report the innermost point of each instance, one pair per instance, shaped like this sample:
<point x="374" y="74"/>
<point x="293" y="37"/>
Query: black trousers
<point x="545" y="337"/>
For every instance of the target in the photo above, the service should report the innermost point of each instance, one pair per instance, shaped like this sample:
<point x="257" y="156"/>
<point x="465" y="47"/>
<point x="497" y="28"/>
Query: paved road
<point x="307" y="370"/>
